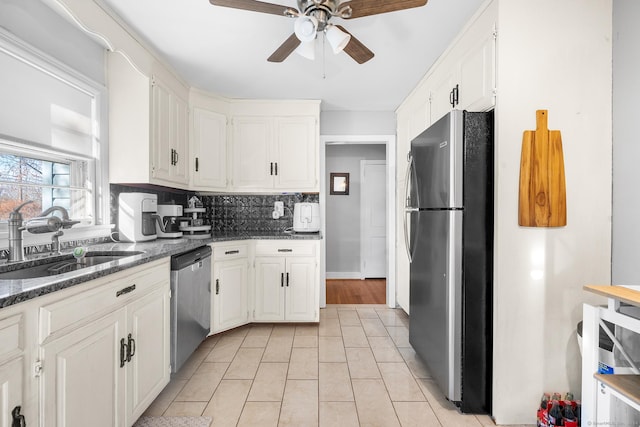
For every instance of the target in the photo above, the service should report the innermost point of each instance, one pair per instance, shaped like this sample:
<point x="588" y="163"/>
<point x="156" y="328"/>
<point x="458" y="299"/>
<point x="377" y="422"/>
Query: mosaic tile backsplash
<point x="228" y="213"/>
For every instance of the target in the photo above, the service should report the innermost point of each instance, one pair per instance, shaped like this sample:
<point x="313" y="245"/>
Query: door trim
<point x="390" y="143"/>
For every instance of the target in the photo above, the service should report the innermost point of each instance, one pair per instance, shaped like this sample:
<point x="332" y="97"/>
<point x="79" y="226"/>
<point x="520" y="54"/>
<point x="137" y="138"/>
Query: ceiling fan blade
<point x="355" y="49"/>
<point x="254" y="6"/>
<point x="285" y="49"/>
<point x="360" y="8"/>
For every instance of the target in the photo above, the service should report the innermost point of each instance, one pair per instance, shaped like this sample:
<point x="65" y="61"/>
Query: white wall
<point x="357" y="123"/>
<point x="38" y="25"/>
<point x="557" y="56"/>
<point x="626" y="145"/>
<point x="343" y="212"/>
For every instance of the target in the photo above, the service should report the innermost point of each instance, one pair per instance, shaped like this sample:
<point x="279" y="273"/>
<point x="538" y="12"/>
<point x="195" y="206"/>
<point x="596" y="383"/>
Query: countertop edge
<point x="13" y="292"/>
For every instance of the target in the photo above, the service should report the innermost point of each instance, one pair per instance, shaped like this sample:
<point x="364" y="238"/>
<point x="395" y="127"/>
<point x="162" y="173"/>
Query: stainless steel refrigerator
<point x="449" y="231"/>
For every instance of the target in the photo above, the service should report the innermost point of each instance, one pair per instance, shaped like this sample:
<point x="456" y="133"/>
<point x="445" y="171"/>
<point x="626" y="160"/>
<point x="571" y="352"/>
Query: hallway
<point x="356" y="291"/>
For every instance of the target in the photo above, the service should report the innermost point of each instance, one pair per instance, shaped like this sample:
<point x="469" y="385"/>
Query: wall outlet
<point x="278" y="208"/>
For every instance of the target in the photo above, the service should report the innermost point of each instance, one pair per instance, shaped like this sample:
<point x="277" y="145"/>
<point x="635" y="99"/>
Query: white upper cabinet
<point x="148" y="125"/>
<point x="169" y="134"/>
<point x="209" y="149"/>
<point x="274" y="146"/>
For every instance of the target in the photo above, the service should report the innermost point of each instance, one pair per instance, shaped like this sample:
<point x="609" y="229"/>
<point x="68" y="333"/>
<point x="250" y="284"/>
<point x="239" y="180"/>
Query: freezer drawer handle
<point x="232" y="252"/>
<point x="123" y="352"/>
<point x="18" y="418"/>
<point x="285" y="250"/>
<point x="131" y="348"/>
<point x="126" y="290"/>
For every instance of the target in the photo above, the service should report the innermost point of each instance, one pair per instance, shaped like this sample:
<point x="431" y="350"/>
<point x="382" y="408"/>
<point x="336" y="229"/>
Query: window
<point x="47" y="179"/>
<point x="52" y="148"/>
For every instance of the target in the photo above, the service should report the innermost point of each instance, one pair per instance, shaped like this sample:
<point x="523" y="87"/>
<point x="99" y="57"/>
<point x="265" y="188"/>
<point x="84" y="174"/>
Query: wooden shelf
<point x="626" y="385"/>
<point x="621" y="293"/>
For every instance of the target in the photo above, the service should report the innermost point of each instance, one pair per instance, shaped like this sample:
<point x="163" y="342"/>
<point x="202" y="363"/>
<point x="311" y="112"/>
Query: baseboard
<point x="343" y="275"/>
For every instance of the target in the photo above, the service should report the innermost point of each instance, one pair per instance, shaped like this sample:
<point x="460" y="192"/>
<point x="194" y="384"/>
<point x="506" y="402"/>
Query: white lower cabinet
<point x="11" y="395"/>
<point x="229" y="298"/>
<point x="104" y="353"/>
<point x="286" y="282"/>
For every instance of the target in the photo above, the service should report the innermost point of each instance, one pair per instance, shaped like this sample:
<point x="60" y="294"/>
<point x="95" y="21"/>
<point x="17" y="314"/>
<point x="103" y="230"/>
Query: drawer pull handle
<point x="232" y="252"/>
<point x="285" y="250"/>
<point x="131" y="347"/>
<point x="18" y="418"/>
<point x="123" y="352"/>
<point x="126" y="290"/>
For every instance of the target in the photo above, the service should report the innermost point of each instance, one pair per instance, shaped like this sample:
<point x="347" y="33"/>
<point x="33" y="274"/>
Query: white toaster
<point x="306" y="217"/>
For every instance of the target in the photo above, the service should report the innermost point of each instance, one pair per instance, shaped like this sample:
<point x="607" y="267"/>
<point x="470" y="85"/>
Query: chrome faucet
<point x="41" y="224"/>
<point x="44" y="224"/>
<point x="16" y="251"/>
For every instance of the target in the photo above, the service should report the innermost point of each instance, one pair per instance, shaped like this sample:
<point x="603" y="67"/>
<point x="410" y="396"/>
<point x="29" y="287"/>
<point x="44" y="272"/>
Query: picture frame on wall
<point x="339" y="183"/>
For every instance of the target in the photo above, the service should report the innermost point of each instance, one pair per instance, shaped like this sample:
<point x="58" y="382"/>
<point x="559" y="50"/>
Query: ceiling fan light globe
<point x="307" y="50"/>
<point x="305" y="28"/>
<point x="337" y="38"/>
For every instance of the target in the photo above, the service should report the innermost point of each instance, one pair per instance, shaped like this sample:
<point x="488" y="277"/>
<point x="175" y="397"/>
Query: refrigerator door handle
<point x="408" y="208"/>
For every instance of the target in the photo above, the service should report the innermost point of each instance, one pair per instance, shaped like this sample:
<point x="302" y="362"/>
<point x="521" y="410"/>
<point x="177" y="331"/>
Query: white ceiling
<point x="225" y="51"/>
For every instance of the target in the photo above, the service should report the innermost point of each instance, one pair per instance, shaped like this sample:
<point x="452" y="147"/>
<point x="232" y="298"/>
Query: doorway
<point x="342" y="254"/>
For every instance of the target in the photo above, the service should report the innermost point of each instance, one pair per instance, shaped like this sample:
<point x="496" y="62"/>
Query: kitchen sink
<point x="63" y="264"/>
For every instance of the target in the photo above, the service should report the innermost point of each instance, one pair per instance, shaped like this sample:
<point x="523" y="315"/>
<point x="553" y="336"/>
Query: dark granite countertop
<point x="19" y="290"/>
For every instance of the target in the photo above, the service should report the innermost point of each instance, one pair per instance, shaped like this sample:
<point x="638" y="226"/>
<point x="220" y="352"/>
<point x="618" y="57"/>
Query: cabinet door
<point x="230" y="294"/>
<point x="209" y="150"/>
<point x="296" y="154"/>
<point x="148" y="370"/>
<point x="301" y="290"/>
<point x="82" y="382"/>
<point x="11" y="390"/>
<point x="253" y="166"/>
<point x="162" y="124"/>
<point x="269" y="286"/>
<point x="440" y="96"/>
<point x="477" y="72"/>
<point x="180" y="171"/>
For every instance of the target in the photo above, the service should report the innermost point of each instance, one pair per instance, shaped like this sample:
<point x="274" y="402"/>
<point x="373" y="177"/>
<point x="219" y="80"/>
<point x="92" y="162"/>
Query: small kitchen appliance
<point x="306" y="217"/>
<point x="137" y="213"/>
<point x="169" y="219"/>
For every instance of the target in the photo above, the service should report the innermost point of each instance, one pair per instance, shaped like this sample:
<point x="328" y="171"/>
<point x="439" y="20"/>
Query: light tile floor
<point x="355" y="368"/>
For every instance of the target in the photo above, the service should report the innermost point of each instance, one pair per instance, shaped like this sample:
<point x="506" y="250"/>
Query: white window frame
<point x="15" y="47"/>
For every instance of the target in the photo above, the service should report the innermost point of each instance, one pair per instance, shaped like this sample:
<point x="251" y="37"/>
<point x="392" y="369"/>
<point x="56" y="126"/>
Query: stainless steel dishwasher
<point x="190" y="303"/>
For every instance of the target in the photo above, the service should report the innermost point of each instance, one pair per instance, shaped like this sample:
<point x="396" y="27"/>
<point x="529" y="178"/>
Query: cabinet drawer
<point x="102" y="297"/>
<point x="230" y="252"/>
<point x="285" y="248"/>
<point x="10" y="336"/>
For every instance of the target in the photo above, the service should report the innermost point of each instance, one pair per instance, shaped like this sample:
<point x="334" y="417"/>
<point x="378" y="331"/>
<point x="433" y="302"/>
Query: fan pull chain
<point x="324" y="71"/>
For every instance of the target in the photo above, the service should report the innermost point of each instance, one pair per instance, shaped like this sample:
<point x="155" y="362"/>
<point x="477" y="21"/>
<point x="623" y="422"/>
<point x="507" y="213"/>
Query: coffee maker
<point x="169" y="216"/>
<point x="137" y="216"/>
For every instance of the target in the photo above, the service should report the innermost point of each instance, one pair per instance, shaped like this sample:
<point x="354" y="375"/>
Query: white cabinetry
<point x="286" y="281"/>
<point x="169" y="134"/>
<point x="11" y="367"/>
<point x="275" y="153"/>
<point x="209" y="136"/>
<point x="229" y="303"/>
<point x="148" y="125"/>
<point x="104" y="352"/>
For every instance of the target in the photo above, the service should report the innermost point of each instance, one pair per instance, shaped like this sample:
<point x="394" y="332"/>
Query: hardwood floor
<point x="355" y="291"/>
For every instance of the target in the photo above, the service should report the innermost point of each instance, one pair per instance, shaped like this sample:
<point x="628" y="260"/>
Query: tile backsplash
<point x="226" y="213"/>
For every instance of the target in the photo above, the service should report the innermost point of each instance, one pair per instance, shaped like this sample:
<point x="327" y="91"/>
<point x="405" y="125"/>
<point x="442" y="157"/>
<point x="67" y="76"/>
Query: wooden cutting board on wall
<point x="542" y="197"/>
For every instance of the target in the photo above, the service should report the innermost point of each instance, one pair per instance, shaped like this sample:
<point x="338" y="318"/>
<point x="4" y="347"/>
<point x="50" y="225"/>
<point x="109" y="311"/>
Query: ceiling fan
<point x="312" y="17"/>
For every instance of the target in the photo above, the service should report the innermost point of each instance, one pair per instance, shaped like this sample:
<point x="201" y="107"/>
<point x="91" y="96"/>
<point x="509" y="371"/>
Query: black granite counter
<point x="16" y="291"/>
